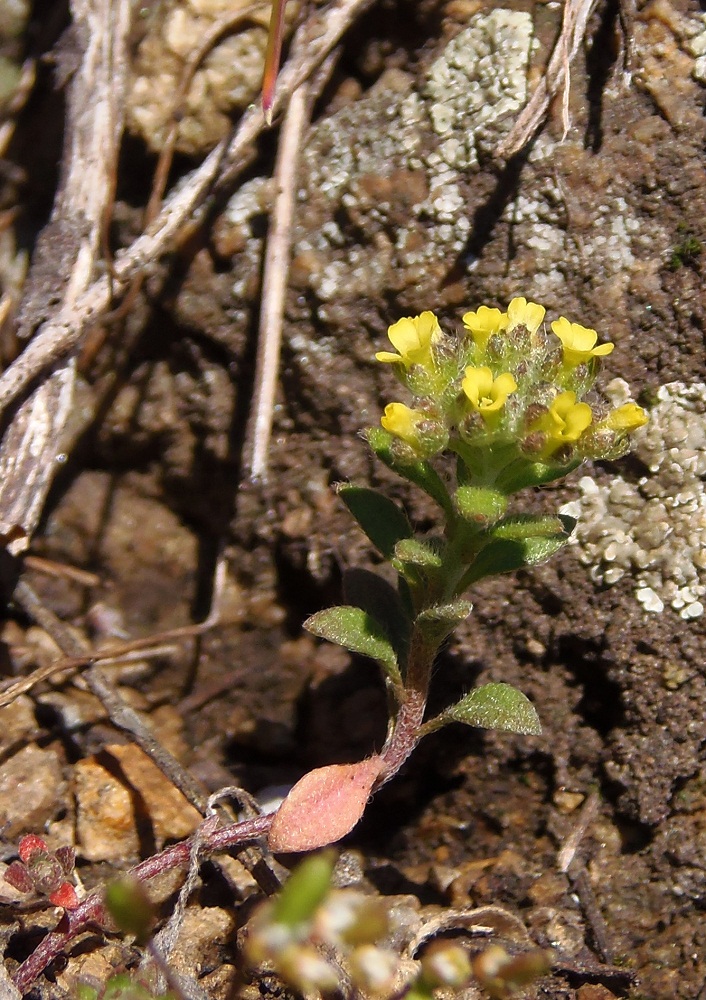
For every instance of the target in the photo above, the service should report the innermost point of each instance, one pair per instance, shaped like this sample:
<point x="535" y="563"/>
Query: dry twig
<point x="556" y="75"/>
<point x="66" y="256"/>
<point x="274" y="279"/>
<point x="91" y="910"/>
<point x="60" y="335"/>
<point x="121" y="715"/>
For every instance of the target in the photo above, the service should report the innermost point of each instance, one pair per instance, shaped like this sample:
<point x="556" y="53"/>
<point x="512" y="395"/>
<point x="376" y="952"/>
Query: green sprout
<point x="686" y="251"/>
<point x="502" y="408"/>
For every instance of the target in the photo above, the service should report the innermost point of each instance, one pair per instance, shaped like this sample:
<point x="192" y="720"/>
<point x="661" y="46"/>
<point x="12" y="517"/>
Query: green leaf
<point x="382" y="601"/>
<point x="480" y="504"/>
<point x="516" y="544"/>
<point x="380" y="518"/>
<point x="418" y="472"/>
<point x="127" y="902"/>
<point x="524" y="526"/>
<point x="305" y="889"/>
<point x="426" y="555"/>
<point x="358" y="631"/>
<point x="438" y="622"/>
<point x="496" y="706"/>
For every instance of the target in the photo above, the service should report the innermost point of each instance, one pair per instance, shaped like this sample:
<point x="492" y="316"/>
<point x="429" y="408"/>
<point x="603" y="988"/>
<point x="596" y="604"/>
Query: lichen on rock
<point x="654" y="529"/>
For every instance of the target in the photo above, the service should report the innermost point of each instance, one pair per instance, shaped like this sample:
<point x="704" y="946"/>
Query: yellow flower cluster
<point x="507" y="381"/>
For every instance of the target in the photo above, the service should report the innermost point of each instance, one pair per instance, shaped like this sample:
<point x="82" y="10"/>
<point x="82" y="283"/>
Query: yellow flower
<point x="486" y="394"/>
<point x="484" y="323"/>
<point x="579" y="342"/>
<point x="403" y="422"/>
<point x="523" y="313"/>
<point x="565" y="421"/>
<point x="625" y="418"/>
<point x="412" y="337"/>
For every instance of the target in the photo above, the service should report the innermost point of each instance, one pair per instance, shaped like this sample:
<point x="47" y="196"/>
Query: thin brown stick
<point x="60" y="335"/>
<point x="51" y="568"/>
<point x="556" y="75"/>
<point x="120" y="652"/>
<point x="121" y="715"/>
<point x="71" y="665"/>
<point x="274" y="279"/>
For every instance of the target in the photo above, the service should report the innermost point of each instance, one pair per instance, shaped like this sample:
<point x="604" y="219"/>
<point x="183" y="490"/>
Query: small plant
<point x="686" y="251"/>
<point x="122" y="986"/>
<point x="506" y="404"/>
<point x="45" y="872"/>
<point x="313" y="935"/>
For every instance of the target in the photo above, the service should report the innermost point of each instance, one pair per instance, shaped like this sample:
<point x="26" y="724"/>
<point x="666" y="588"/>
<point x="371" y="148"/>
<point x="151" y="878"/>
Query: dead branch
<point x="556" y="75"/>
<point x="91" y="912"/>
<point x="274" y="279"/>
<point x="67" y="253"/>
<point x="58" y="336"/>
<point x="120" y="714"/>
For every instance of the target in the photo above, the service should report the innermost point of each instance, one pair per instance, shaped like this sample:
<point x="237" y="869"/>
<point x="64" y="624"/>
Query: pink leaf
<point x="30" y="845"/>
<point x="18" y="877"/>
<point x="323" y="806"/>
<point x="64" y="896"/>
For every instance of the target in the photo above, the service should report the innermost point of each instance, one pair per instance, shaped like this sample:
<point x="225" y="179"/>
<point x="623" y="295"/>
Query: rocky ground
<point x="402" y="205"/>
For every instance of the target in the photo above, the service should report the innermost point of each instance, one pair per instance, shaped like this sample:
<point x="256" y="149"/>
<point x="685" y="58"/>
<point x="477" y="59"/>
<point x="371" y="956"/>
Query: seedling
<point x="496" y="411"/>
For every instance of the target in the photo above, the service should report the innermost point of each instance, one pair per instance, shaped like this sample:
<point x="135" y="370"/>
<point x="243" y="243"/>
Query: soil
<point x="604" y="225"/>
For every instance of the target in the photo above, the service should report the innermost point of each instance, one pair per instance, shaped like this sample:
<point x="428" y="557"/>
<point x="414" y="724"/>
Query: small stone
<point x="594" y="991"/>
<point x="30" y="790"/>
<point x="169" y="812"/>
<point x="17" y="722"/>
<point x="567" y="802"/>
<point x="674" y="675"/>
<point x="203" y="933"/>
<point x="105" y="818"/>
<point x="96" y="966"/>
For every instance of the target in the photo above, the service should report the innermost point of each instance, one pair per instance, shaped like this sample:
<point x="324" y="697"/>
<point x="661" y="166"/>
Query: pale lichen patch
<point x="654" y="530"/>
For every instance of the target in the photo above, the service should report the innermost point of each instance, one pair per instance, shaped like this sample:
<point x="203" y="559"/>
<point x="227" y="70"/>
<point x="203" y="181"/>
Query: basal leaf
<point x="323" y="806"/>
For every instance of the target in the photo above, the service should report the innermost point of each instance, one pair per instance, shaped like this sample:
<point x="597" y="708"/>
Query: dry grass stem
<point x="66" y="256"/>
<point x="274" y="281"/>
<point x="556" y="75"/>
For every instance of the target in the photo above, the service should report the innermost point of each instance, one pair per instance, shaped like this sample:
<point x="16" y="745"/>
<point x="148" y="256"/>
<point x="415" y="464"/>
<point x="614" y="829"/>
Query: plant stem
<point x="405" y="733"/>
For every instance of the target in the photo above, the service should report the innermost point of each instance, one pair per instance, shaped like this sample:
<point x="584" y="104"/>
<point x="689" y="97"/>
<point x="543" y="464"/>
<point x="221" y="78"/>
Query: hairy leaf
<point x="497" y="706"/>
<point x="380" y="518"/>
<point x="358" y="631"/>
<point x="323" y="806"/>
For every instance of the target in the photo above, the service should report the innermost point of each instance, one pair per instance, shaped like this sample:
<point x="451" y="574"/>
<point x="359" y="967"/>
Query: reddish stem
<point x="91" y="911"/>
<point x="404" y="737"/>
<point x="272" y="57"/>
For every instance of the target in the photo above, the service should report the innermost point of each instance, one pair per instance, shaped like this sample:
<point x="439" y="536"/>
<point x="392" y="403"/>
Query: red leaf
<point x="323" y="806"/>
<point x="29" y="845"/>
<point x="64" y="896"/>
<point x="18" y="877"/>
